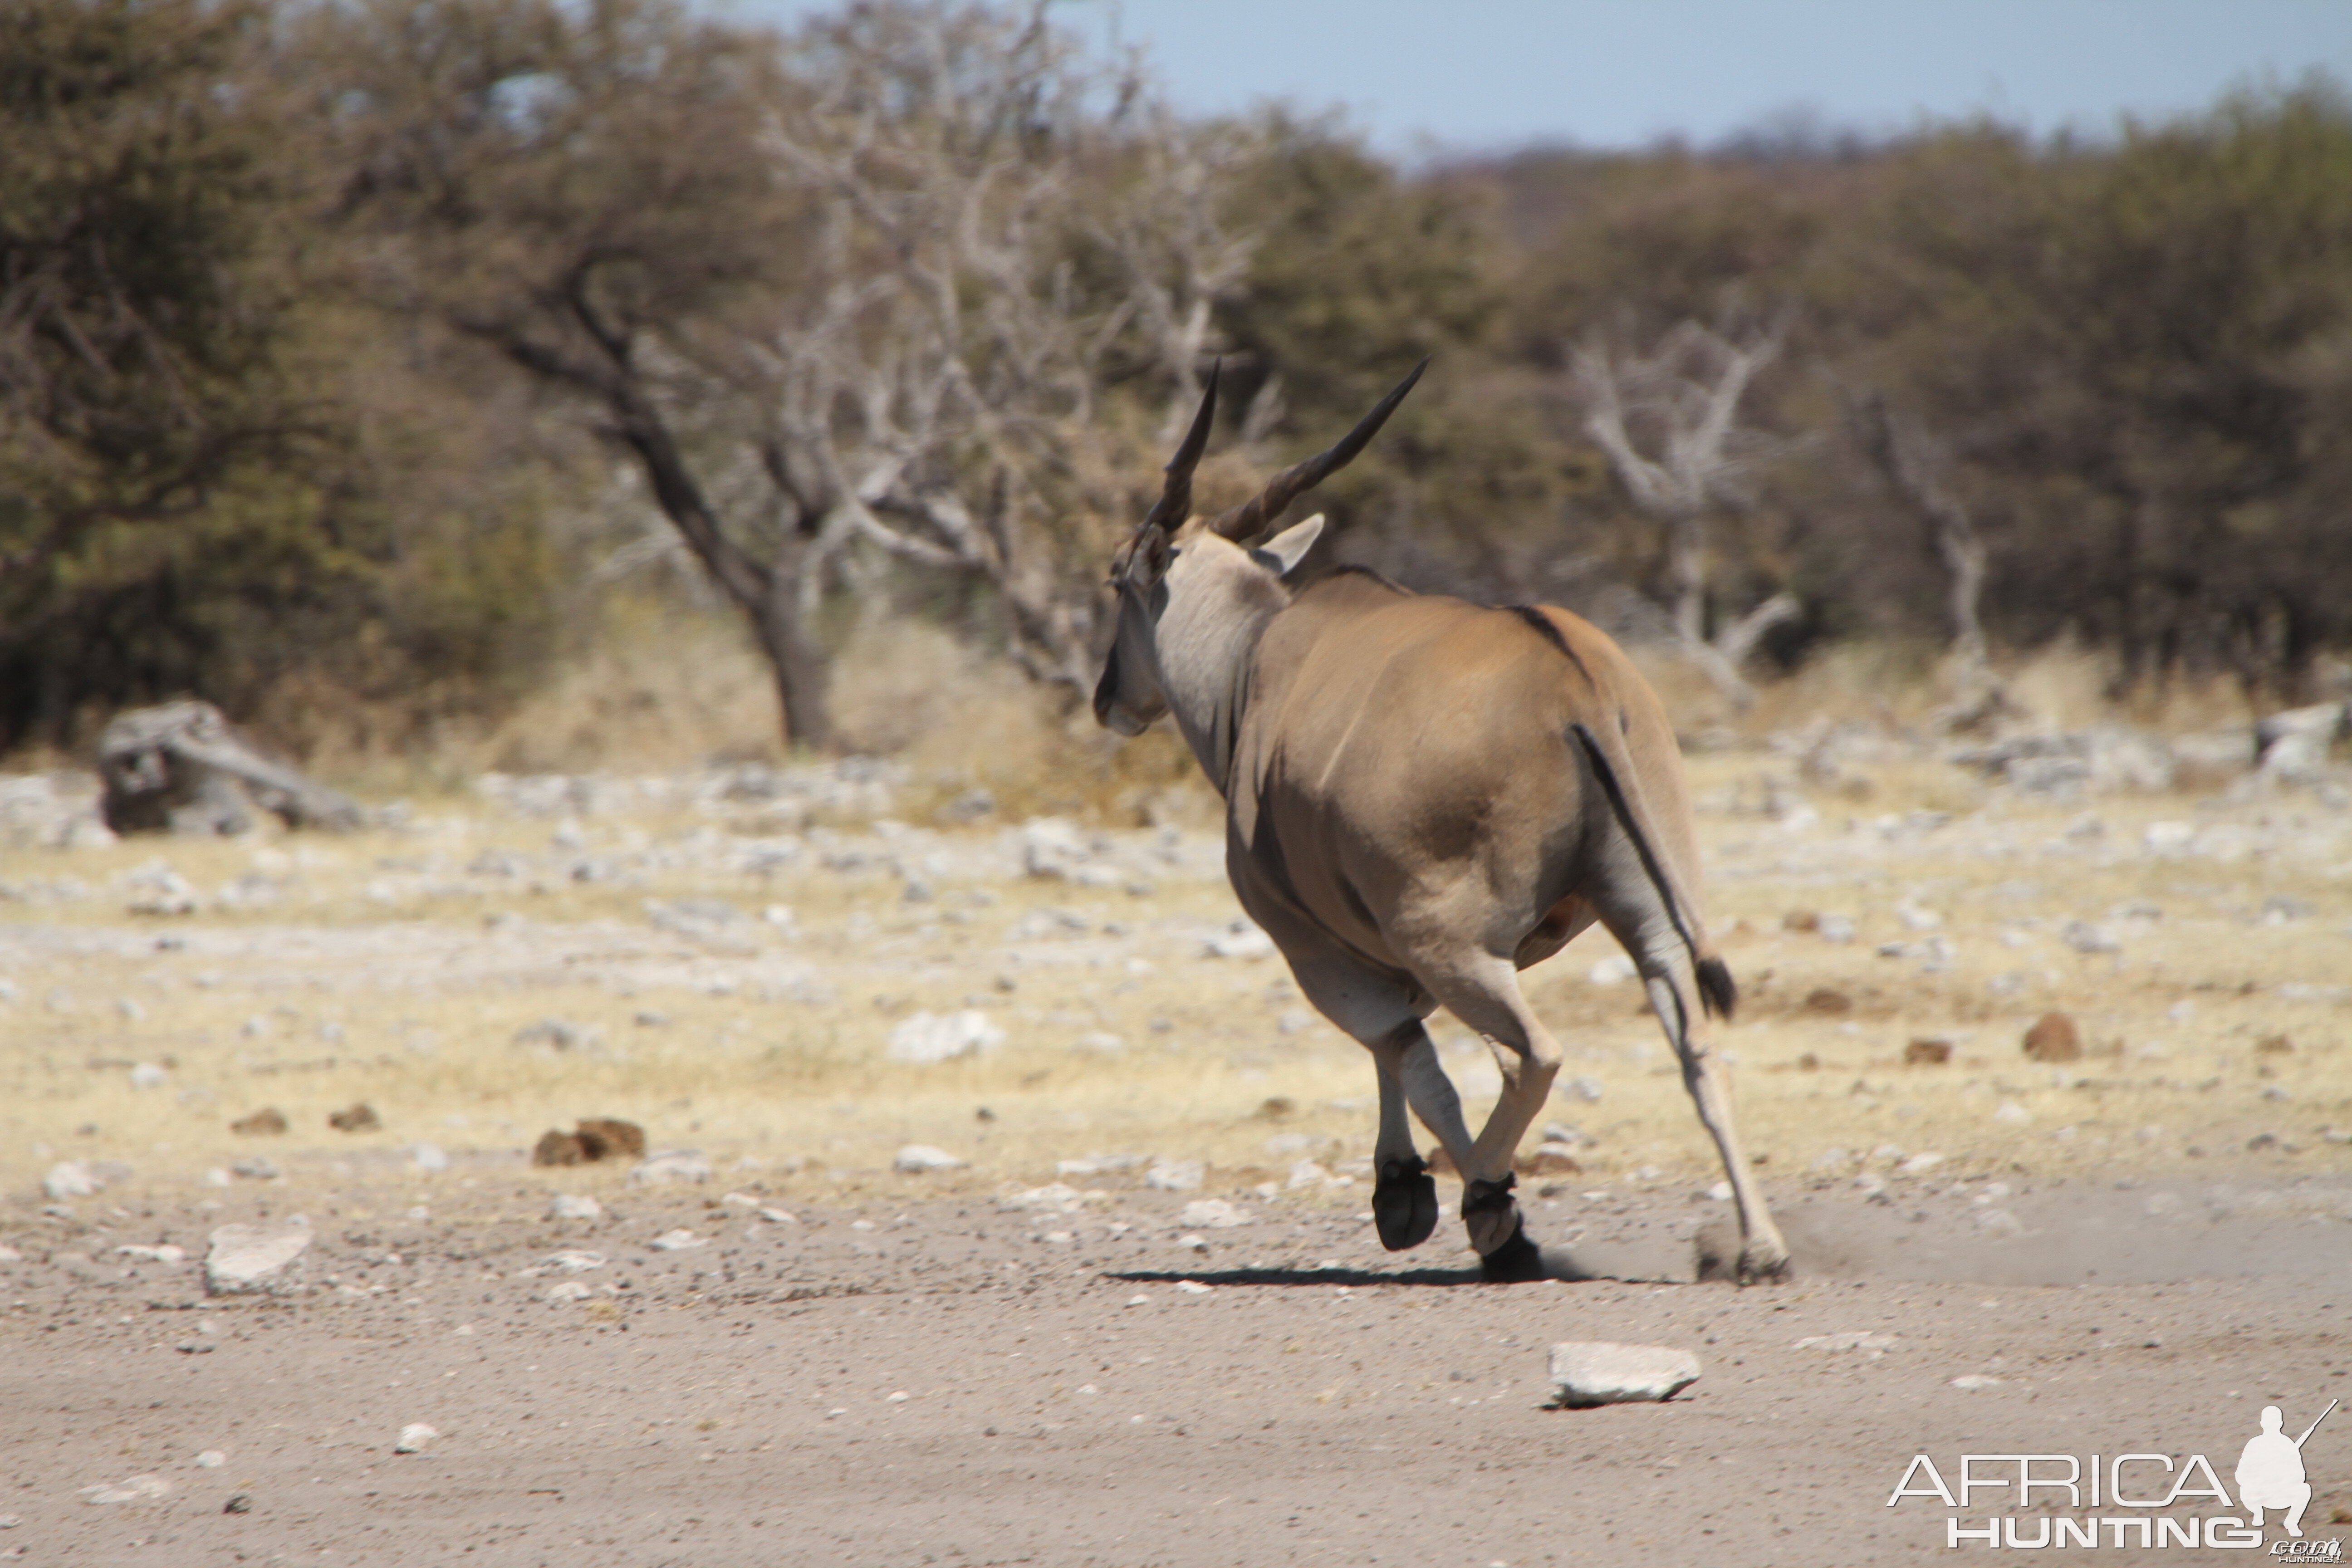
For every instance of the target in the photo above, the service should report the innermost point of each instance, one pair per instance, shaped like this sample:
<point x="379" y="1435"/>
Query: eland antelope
<point x="1423" y="797"/>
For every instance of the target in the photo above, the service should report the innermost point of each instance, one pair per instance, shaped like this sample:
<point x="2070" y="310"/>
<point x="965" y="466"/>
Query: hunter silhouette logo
<point x="2270" y="1471"/>
<point x="2111" y="1500"/>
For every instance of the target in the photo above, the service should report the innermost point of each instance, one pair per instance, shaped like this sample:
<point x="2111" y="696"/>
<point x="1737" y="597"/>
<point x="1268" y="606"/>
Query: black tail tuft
<point x="1716" y="988"/>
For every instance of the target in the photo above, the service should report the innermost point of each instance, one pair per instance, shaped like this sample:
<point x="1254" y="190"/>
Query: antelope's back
<point x="1399" y="745"/>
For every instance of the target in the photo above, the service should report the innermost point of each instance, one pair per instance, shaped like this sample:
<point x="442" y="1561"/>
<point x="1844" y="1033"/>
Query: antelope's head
<point x="1191" y="588"/>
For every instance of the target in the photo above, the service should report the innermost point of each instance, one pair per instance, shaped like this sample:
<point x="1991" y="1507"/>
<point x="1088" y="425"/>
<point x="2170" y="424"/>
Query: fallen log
<point x="182" y="767"/>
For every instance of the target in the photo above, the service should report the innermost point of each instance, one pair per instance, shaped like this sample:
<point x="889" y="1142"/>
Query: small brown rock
<point x="1822" y="999"/>
<point x="1927" y="1053"/>
<point x="557" y="1149"/>
<point x="2053" y="1038"/>
<point x="1809" y="1063"/>
<point x="610" y="1138"/>
<point x="357" y="1118"/>
<point x="1441" y="1163"/>
<point x="1547" y="1163"/>
<point x="267" y="1122"/>
<point x="1280" y="1107"/>
<point x="1801" y="920"/>
<point x="2273" y="1046"/>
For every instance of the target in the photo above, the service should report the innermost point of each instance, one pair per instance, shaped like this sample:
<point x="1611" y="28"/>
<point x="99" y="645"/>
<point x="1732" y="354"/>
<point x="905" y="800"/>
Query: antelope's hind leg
<point x="1682" y="996"/>
<point x="1484" y="993"/>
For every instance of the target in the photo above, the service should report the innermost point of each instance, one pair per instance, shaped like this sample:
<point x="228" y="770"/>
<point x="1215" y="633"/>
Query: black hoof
<point x="1515" y="1262"/>
<point x="1404" y="1203"/>
<point x="1488" y="1210"/>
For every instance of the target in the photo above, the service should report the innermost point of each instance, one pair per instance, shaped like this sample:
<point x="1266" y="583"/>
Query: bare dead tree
<point x="939" y="398"/>
<point x="905" y="287"/>
<point x="1913" y="464"/>
<point x="1683" y="399"/>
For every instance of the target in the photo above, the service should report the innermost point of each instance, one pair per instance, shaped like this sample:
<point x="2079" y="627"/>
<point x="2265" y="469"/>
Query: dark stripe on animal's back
<point x="1549" y="631"/>
<point x="1353" y="570"/>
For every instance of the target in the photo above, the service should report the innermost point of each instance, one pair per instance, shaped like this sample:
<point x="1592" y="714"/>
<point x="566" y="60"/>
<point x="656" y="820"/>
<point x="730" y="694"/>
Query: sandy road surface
<point x="951" y="1386"/>
<point x="2128" y="1251"/>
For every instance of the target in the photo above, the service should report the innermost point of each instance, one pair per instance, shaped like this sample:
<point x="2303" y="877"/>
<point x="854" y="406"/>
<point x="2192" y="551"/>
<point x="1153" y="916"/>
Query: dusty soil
<point x="948" y="1387"/>
<point x="2129" y="1252"/>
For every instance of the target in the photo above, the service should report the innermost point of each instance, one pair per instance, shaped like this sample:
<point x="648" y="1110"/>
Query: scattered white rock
<point x="573" y="1261"/>
<point x="1176" y="1175"/>
<point x="1059" y="1198"/>
<point x="916" y="1158"/>
<point x="1193" y="1286"/>
<point x="569" y="1291"/>
<point x="255" y="1168"/>
<point x="1874" y="1345"/>
<point x="1052" y="847"/>
<point x="2293" y="744"/>
<point x="1307" y="1173"/>
<point x="137" y="1488"/>
<point x="2085" y="937"/>
<point x="70" y="1179"/>
<point x="1589" y="1373"/>
<point x="10" y="1255"/>
<point x="245" y="1259"/>
<point x="2009" y="1113"/>
<point x="928" y="1037"/>
<point x="559" y="1035"/>
<point x="1584" y="1089"/>
<point x="211" y="1460"/>
<point x="1615" y="969"/>
<point x="429" y="1158"/>
<point x="1975" y="1380"/>
<point x="678" y="1240"/>
<point x="780" y="1216"/>
<point x="161" y="892"/>
<point x="1720" y="1192"/>
<point x="572" y="1205"/>
<point x="1139" y="1300"/>
<point x="1212" y="1214"/>
<point x="163" y="1253"/>
<point x="1919" y="1164"/>
<point x="1099" y="1164"/>
<point x="1241" y="940"/>
<point x="414" y="1438"/>
<point x="670" y="1166"/>
<point x="147" y="1075"/>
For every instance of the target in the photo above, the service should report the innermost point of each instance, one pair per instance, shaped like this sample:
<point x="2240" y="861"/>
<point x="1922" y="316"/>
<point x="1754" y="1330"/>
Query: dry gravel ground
<point x="2138" y="1248"/>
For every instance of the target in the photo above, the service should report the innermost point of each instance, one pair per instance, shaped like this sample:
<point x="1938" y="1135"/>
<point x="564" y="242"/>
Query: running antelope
<point x="1423" y="797"/>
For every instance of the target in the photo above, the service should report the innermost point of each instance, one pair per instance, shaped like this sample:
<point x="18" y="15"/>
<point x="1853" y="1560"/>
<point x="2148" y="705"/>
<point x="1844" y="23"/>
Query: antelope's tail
<point x="1717" y="992"/>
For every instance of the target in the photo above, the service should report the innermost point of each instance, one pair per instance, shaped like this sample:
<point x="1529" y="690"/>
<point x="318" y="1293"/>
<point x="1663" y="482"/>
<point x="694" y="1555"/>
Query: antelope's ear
<point x="1283" y="552"/>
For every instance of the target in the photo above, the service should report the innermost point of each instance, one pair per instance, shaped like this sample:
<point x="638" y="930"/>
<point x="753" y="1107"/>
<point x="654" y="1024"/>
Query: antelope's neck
<point x="1204" y="667"/>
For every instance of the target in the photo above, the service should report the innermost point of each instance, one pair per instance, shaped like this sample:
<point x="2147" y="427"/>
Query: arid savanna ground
<point x="1038" y="1354"/>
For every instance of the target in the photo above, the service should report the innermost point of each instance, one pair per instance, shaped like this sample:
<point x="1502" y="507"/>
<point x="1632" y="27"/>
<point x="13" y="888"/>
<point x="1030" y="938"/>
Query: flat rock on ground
<point x="1597" y="1372"/>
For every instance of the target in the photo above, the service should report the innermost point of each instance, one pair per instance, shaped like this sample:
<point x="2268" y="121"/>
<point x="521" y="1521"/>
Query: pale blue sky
<point x="1483" y="75"/>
